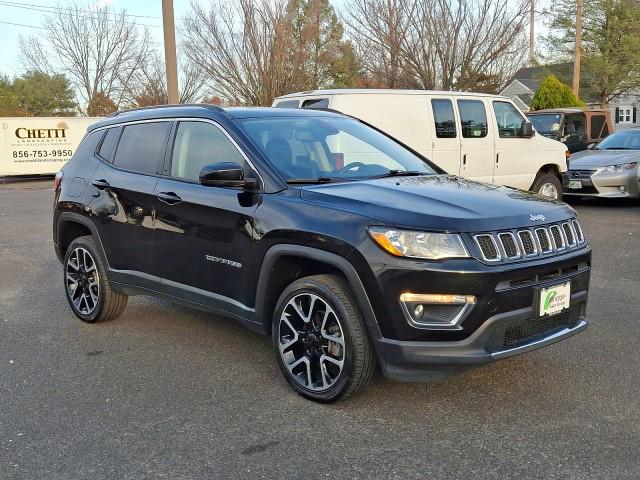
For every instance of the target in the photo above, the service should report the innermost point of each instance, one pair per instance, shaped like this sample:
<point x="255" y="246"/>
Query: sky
<point x="25" y="17"/>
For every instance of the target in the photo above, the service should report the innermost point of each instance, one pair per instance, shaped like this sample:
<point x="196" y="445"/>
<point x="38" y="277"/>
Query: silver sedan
<point x="608" y="169"/>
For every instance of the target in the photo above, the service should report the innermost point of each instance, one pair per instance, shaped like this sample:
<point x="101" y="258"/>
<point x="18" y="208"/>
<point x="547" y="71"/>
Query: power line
<point x="53" y="9"/>
<point x="50" y="12"/>
<point x="22" y="25"/>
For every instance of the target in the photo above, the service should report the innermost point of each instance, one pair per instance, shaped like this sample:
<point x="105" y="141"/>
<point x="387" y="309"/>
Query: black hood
<point x="439" y="203"/>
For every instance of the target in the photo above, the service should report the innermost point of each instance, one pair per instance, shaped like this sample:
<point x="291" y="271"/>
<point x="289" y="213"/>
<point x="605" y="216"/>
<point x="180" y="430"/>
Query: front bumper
<point x="421" y="361"/>
<point x="606" y="186"/>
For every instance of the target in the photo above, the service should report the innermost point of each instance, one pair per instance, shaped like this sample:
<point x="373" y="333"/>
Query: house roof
<point x="532" y="77"/>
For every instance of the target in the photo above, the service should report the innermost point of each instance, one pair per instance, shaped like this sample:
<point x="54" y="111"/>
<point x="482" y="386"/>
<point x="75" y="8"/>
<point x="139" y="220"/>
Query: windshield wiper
<point x="618" y="148"/>
<point x="402" y="173"/>
<point x="295" y="181"/>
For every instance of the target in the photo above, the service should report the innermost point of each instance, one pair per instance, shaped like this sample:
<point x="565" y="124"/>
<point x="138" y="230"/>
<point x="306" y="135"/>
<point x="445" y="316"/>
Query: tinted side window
<point x="317" y="103"/>
<point x="108" y="142"/>
<point x="88" y="145"/>
<point x="597" y="122"/>
<point x="142" y="146"/>
<point x="288" y="104"/>
<point x="444" y="119"/>
<point x="508" y="119"/>
<point x="473" y="118"/>
<point x="198" y="144"/>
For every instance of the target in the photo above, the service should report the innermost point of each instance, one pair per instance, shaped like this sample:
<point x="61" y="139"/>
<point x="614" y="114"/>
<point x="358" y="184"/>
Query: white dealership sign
<point x="39" y="145"/>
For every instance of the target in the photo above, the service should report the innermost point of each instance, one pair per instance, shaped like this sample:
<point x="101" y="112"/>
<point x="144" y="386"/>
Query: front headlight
<point x="406" y="243"/>
<point x="616" y="168"/>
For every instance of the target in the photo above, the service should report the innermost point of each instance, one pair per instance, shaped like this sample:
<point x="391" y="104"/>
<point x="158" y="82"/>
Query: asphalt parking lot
<point x="169" y="392"/>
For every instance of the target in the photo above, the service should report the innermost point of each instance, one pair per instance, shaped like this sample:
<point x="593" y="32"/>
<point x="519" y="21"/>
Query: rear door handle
<point x="100" y="184"/>
<point x="169" y="198"/>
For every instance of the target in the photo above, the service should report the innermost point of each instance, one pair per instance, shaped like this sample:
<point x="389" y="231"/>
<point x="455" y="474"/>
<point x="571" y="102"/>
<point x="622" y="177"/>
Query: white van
<point x="478" y="136"/>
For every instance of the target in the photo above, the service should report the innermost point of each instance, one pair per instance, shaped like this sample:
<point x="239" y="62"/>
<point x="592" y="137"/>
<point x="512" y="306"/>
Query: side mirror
<point x="225" y="174"/>
<point x="526" y="129"/>
<point x="592" y="145"/>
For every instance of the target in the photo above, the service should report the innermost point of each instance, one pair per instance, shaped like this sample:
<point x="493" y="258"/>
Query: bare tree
<point x="462" y="45"/>
<point x="149" y="83"/>
<point x="243" y="47"/>
<point x="99" y="49"/>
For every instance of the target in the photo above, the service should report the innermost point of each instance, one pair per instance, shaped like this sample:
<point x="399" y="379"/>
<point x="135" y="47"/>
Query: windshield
<point x="545" y="122"/>
<point x="330" y="148"/>
<point x="622" y="140"/>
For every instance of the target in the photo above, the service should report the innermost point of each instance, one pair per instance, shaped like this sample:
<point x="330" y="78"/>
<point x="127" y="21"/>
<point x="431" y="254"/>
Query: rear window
<point x="142" y="146"/>
<point x="316" y="103"/>
<point x="288" y="104"/>
<point x="109" y="141"/>
<point x="473" y="118"/>
<point x="444" y="118"/>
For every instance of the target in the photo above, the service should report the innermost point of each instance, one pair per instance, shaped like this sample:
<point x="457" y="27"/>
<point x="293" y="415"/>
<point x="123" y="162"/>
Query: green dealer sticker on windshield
<point x="555" y="299"/>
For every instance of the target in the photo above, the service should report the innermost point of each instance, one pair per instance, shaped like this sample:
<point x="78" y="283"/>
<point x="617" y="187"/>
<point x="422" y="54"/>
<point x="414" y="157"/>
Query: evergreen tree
<point x="552" y="93"/>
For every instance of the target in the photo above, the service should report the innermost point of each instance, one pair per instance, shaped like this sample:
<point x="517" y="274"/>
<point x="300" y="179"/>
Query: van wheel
<point x="86" y="285"/>
<point x="549" y="185"/>
<point x="320" y="339"/>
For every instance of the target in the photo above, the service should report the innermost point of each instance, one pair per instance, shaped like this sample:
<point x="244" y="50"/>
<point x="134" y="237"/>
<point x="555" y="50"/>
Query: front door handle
<point x="100" y="184"/>
<point x="169" y="198"/>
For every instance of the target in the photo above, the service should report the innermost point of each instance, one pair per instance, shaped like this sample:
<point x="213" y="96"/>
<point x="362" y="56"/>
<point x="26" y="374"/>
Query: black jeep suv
<point x="346" y="246"/>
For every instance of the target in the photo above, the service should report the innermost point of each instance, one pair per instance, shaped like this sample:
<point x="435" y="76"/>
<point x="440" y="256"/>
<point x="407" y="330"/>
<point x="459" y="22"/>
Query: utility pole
<point x="532" y="33"/>
<point x="578" y="49"/>
<point x="170" y="51"/>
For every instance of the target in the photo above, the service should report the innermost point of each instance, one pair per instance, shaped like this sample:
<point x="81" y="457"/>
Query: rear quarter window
<point x="108" y="142"/>
<point x="142" y="146"/>
<point x="287" y="104"/>
<point x="316" y="103"/>
<point x="89" y="144"/>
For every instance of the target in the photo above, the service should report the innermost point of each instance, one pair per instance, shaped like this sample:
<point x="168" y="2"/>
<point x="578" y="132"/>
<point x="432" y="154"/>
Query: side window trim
<point x="115" y="145"/>
<point x="172" y="138"/>
<point x="495" y="117"/>
<point x="461" y="100"/>
<point x="453" y="113"/>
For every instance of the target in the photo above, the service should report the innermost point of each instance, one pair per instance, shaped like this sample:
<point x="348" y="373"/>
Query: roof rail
<point x="152" y="107"/>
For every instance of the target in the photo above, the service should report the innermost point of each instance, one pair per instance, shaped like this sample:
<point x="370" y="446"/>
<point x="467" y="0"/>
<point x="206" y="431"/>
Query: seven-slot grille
<point x="525" y="243"/>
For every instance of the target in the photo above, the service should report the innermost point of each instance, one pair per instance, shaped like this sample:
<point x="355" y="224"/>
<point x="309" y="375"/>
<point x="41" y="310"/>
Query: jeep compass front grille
<point x="528" y="243"/>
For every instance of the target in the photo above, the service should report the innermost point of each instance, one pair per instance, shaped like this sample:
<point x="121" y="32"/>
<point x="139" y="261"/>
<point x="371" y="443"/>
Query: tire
<point x="85" y="275"/>
<point x="335" y="328"/>
<point x="547" y="182"/>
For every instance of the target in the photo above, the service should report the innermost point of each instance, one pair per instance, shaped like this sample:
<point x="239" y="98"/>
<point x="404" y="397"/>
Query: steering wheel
<point x="351" y="166"/>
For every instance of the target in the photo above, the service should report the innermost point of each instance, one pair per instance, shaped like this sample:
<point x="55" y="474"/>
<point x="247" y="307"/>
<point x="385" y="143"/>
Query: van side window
<point x="444" y="118"/>
<point x="316" y="103"/>
<point x="141" y="147"/>
<point x="598" y="128"/>
<point x="108" y="142"/>
<point x="287" y="104"/>
<point x="473" y="118"/>
<point x="509" y="120"/>
<point x="198" y="144"/>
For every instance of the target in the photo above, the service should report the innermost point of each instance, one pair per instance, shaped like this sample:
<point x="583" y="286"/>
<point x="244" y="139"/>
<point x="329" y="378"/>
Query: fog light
<point x="436" y="311"/>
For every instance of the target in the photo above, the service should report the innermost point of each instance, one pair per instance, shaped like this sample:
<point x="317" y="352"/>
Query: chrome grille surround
<point x="529" y="246"/>
<point x="509" y="245"/>
<point x="512" y="245"/>
<point x="488" y="254"/>
<point x="569" y="234"/>
<point x="558" y="239"/>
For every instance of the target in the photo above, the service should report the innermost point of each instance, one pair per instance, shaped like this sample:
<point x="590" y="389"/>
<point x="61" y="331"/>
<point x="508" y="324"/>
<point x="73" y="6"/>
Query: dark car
<point x="346" y="246"/>
<point x="577" y="128"/>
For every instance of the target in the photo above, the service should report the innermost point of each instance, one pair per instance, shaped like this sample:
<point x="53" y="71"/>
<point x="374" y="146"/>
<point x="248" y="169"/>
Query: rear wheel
<point x="549" y="185"/>
<point x="320" y="339"/>
<point x="88" y="291"/>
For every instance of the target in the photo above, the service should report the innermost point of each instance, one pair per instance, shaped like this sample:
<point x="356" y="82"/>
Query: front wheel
<point x="320" y="339"/>
<point x="549" y="185"/>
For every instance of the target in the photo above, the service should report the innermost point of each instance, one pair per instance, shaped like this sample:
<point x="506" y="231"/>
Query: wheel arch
<point x="70" y="226"/>
<point x="286" y="263"/>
